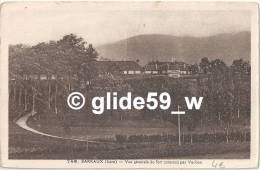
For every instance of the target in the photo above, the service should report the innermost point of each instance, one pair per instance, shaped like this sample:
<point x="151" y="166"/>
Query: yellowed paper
<point x="129" y="84"/>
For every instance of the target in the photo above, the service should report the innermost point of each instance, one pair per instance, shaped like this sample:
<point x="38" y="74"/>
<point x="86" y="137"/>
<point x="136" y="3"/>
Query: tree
<point x="194" y="68"/>
<point x="218" y="66"/>
<point x="241" y="67"/>
<point x="19" y="55"/>
<point x="65" y="58"/>
<point x="78" y="55"/>
<point x="240" y="72"/>
<point x="205" y="65"/>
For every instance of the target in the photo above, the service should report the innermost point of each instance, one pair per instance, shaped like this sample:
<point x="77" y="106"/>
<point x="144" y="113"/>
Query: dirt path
<point x="22" y="122"/>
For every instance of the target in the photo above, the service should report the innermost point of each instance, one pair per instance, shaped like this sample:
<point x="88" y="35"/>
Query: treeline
<point x="226" y="89"/>
<point x="70" y="56"/>
<point x="226" y="92"/>
<point x="217" y="137"/>
<point x="218" y="66"/>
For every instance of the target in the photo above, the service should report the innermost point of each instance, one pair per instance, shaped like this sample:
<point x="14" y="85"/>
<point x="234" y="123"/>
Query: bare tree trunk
<point x="219" y="118"/>
<point x="20" y="96"/>
<point x="215" y="136"/>
<point x="25" y="99"/>
<point x="121" y="116"/>
<point x="33" y="102"/>
<point x="69" y="81"/>
<point x="238" y="109"/>
<point x="14" y="97"/>
<point x="231" y="120"/>
<point x="87" y="146"/>
<point x="49" y="95"/>
<point x="227" y="136"/>
<point x="179" y="128"/>
<point x="55" y="99"/>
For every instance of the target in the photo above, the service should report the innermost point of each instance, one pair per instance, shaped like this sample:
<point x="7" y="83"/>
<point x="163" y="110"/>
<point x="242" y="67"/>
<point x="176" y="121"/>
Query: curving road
<point x="22" y="122"/>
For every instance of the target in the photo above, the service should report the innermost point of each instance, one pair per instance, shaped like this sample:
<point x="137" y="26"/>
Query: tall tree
<point x="204" y="65"/>
<point x="78" y="55"/>
<point x="194" y="68"/>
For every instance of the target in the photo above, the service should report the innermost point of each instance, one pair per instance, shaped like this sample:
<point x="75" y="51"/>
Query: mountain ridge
<point x="163" y="47"/>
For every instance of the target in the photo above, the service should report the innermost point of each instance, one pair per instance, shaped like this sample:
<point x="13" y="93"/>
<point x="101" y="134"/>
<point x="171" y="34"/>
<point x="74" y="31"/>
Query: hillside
<point x="150" y="47"/>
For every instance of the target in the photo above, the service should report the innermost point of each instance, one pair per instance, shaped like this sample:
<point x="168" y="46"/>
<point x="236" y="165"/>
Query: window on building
<point x="131" y="72"/>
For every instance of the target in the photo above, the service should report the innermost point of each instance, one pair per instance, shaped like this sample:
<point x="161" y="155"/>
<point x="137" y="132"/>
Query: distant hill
<point x="149" y="47"/>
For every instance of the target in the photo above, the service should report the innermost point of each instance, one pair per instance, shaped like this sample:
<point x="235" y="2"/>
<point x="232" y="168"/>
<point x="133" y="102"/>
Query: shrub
<point x="121" y="138"/>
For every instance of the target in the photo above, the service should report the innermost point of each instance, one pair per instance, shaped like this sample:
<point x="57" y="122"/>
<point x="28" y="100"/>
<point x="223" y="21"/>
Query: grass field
<point x="27" y="145"/>
<point x="107" y="129"/>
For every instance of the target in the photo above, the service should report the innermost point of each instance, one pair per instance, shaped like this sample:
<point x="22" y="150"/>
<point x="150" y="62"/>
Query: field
<point x="102" y="129"/>
<point x="26" y="145"/>
<point x="128" y="135"/>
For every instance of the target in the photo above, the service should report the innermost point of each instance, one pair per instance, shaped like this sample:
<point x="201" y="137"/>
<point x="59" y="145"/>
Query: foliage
<point x="205" y="65"/>
<point x="226" y="89"/>
<point x="67" y="56"/>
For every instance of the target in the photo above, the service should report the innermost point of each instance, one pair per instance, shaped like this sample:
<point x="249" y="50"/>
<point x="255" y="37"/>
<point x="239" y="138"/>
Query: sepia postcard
<point x="129" y="84"/>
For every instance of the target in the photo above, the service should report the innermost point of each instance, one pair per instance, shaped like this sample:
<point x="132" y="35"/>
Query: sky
<point x="34" y="23"/>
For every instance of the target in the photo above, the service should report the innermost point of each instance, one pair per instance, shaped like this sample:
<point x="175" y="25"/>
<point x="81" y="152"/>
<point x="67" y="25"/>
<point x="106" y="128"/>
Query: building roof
<point x="111" y="66"/>
<point x="176" y="65"/>
<point x="151" y="67"/>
